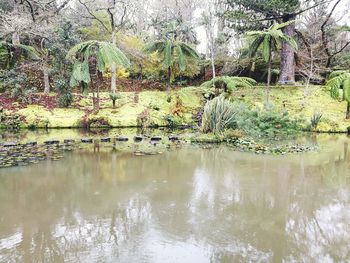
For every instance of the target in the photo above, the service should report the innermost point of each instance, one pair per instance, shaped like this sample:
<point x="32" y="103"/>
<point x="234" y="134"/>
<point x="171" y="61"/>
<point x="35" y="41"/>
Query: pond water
<point x="190" y="204"/>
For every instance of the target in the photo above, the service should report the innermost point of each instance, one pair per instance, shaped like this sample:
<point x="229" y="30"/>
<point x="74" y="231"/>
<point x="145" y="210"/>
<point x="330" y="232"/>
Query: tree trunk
<point x="15" y="39"/>
<point x="287" y="68"/>
<point x="169" y="79"/>
<point x="46" y="79"/>
<point x="348" y="111"/>
<point x="114" y="68"/>
<point x="269" y="76"/>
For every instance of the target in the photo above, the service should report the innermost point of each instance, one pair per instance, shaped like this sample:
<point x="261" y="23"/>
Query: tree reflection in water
<point x="187" y="205"/>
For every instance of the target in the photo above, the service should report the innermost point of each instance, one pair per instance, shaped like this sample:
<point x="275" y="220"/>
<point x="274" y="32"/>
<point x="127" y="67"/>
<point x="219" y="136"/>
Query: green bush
<point x="266" y="122"/>
<point x="65" y="96"/>
<point x="219" y="114"/>
<point x="9" y="79"/>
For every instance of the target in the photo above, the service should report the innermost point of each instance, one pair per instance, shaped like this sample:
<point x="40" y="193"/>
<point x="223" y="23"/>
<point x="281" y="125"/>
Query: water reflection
<point x="187" y="205"/>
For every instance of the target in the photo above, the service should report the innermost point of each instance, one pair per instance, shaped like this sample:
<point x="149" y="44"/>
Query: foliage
<point x="9" y="79"/>
<point x="104" y="53"/>
<point x="217" y="85"/>
<point x="23" y="95"/>
<point x="266" y="122"/>
<point x="10" y="53"/>
<point x="174" y="53"/>
<point x="245" y="15"/>
<point x="65" y="97"/>
<point x="10" y="121"/>
<point x="114" y="97"/>
<point x="315" y="120"/>
<point x="219" y="114"/>
<point x="270" y="39"/>
<point x="340" y="81"/>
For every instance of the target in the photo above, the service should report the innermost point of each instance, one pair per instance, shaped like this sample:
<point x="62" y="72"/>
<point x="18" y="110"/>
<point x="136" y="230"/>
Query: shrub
<point x="65" y="97"/>
<point x="218" y="115"/>
<point x="266" y="122"/>
<point x="114" y="97"/>
<point x="315" y="120"/>
<point x="219" y="85"/>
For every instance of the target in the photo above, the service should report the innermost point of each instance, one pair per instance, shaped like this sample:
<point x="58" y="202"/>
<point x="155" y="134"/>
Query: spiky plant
<point x="227" y="84"/>
<point x="339" y="82"/>
<point x="270" y="40"/>
<point x="218" y="115"/>
<point x="90" y="54"/>
<point x="173" y="52"/>
<point x="9" y="56"/>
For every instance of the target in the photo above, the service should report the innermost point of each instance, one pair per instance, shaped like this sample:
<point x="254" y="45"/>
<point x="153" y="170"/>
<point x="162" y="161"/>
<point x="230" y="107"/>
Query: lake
<point x="185" y="204"/>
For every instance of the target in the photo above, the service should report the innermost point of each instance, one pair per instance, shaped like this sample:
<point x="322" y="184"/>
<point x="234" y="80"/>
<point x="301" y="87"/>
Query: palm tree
<point x="94" y="54"/>
<point x="270" y="40"/>
<point x="173" y="51"/>
<point x="340" y="80"/>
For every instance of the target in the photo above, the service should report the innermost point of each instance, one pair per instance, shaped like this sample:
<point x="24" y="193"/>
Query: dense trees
<point x="181" y="41"/>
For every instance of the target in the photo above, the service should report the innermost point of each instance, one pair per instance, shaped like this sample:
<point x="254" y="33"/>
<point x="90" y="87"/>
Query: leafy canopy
<point x="339" y="80"/>
<point x="172" y="51"/>
<point x="270" y="39"/>
<point x="103" y="53"/>
<point x="8" y="56"/>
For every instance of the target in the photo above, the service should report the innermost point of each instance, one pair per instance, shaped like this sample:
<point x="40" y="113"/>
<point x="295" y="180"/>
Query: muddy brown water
<point x="184" y="205"/>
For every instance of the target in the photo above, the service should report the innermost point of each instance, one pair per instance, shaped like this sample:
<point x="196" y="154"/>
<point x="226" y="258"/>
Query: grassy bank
<point x="156" y="108"/>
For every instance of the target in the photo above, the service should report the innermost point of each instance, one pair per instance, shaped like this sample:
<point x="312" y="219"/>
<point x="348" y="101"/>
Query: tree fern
<point x="173" y="52"/>
<point x="270" y="40"/>
<point x="340" y="81"/>
<point x="105" y="54"/>
<point x="227" y="83"/>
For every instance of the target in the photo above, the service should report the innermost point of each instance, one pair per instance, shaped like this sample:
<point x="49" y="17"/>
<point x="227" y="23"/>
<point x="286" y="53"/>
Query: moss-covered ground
<point x="300" y="103"/>
<point x="157" y="108"/>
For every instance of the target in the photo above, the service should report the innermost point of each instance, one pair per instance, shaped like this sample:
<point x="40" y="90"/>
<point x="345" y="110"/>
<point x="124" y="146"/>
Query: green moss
<point x="183" y="104"/>
<point x="292" y="99"/>
<point x="40" y="117"/>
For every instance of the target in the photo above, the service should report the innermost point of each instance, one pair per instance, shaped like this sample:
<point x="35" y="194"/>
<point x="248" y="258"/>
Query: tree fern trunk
<point x="114" y="68"/>
<point x="169" y="79"/>
<point x="269" y="77"/>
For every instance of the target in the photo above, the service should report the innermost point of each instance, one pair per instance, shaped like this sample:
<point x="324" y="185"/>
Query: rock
<point x="31" y="144"/>
<point x="51" y="142"/>
<point x="122" y="139"/>
<point x="138" y="138"/>
<point x="86" y="140"/>
<point x="10" y="144"/>
<point x="173" y="138"/>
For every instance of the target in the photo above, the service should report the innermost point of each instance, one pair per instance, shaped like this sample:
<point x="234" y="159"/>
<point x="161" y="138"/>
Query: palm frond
<point x="181" y="60"/>
<point x="168" y="53"/>
<point x="282" y="25"/>
<point x="266" y="48"/>
<point x="255" y="45"/>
